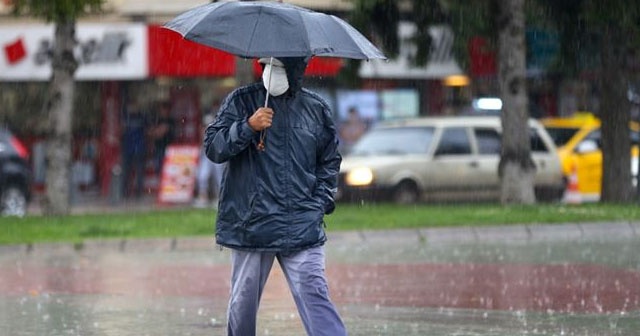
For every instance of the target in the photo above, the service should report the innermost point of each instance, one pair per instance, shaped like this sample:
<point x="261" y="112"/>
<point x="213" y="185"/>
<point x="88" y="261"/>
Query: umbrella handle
<point x="263" y="133"/>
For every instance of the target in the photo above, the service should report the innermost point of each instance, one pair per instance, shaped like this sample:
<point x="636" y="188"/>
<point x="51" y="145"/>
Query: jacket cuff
<point x="244" y="132"/>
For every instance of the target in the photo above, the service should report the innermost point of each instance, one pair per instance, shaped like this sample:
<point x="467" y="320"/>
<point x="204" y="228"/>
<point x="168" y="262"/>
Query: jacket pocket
<point x="239" y="194"/>
<point x="247" y="215"/>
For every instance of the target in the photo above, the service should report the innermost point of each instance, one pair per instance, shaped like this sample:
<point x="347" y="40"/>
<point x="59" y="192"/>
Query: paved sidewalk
<point x="570" y="279"/>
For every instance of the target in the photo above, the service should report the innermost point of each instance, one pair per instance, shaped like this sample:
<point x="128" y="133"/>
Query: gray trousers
<point x="304" y="271"/>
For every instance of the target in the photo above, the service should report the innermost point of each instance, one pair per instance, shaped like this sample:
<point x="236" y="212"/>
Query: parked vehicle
<point x="578" y="139"/>
<point x="15" y="175"/>
<point x="441" y="159"/>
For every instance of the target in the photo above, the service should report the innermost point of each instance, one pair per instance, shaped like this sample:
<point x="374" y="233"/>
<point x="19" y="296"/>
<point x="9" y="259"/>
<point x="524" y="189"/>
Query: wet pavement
<point x="570" y="279"/>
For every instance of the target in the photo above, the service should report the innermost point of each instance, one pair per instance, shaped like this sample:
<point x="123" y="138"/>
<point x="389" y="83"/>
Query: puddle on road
<point x="381" y="287"/>
<point x="112" y="315"/>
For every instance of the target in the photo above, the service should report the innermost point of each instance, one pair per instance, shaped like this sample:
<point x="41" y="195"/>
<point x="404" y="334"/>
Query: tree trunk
<point x="615" y="118"/>
<point x="516" y="169"/>
<point x="59" y="108"/>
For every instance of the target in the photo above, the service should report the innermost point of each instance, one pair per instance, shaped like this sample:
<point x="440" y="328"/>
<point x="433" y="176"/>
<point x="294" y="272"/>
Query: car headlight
<point x="359" y="177"/>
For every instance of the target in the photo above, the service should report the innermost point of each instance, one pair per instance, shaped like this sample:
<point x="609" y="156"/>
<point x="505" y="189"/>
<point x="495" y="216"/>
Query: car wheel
<point x="13" y="202"/>
<point x="406" y="193"/>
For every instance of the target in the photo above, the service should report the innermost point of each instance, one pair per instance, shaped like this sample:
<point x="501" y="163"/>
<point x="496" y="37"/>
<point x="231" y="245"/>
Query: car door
<point x="488" y="143"/>
<point x="452" y="172"/>
<point x="588" y="165"/>
<point x="548" y="181"/>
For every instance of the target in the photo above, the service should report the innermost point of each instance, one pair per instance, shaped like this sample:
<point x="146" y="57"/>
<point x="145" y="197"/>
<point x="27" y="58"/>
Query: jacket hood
<point x="294" y="67"/>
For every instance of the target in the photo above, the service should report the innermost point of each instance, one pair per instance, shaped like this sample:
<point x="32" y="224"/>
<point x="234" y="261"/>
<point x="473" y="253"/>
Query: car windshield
<point x="394" y="141"/>
<point x="561" y="135"/>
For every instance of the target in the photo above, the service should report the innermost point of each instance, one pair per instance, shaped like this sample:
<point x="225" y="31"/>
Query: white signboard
<point x="104" y="52"/>
<point x="441" y="62"/>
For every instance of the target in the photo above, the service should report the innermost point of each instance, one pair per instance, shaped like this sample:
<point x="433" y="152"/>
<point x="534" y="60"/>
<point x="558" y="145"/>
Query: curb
<point x="486" y="234"/>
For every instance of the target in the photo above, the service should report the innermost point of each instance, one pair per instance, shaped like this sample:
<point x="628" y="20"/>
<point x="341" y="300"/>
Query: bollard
<point x="115" y="187"/>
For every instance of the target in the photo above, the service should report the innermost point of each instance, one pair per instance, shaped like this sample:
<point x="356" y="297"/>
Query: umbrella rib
<point x="253" y="32"/>
<point x="346" y="28"/>
<point x="200" y="19"/>
<point x="184" y="29"/>
<point x="306" y="31"/>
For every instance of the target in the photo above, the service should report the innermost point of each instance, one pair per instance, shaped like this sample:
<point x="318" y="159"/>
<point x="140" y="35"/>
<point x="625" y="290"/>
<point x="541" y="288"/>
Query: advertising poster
<point x="366" y="102"/>
<point x="402" y="103"/>
<point x="179" y="174"/>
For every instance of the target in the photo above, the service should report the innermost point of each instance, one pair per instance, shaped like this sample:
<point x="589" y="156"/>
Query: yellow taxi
<point x="578" y="141"/>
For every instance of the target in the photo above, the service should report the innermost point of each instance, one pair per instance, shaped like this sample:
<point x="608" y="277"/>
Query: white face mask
<point x="278" y="83"/>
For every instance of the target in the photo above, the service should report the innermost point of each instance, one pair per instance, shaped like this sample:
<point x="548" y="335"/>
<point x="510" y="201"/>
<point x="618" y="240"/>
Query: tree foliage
<point x="602" y="38"/>
<point x="56" y="10"/>
<point x="379" y="21"/>
<point x="469" y="19"/>
<point x="565" y="19"/>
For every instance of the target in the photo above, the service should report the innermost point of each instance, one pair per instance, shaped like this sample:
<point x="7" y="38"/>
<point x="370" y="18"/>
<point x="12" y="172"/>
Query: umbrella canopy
<point x="254" y="29"/>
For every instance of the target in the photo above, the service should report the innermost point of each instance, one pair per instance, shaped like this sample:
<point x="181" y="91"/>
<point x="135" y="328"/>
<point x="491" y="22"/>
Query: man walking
<point x="282" y="167"/>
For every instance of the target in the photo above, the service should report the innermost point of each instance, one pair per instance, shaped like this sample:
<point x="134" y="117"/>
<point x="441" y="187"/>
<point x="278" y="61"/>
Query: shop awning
<point x="401" y="69"/>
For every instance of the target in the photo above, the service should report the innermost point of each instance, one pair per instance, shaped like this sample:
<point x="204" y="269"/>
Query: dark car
<point x="15" y="175"/>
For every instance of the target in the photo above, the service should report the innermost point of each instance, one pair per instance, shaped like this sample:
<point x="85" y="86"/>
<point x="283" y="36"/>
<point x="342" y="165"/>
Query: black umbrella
<point x="272" y="29"/>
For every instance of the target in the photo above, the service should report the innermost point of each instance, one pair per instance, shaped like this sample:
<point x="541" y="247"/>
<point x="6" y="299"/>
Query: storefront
<point x="108" y="55"/>
<point x="118" y="63"/>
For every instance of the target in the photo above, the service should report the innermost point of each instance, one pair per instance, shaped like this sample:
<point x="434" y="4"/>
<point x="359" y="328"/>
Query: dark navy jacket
<point x="274" y="200"/>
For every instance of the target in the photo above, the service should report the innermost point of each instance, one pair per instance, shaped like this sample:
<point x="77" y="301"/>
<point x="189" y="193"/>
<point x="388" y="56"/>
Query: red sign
<point x="324" y="66"/>
<point x="318" y="66"/>
<point x="172" y="55"/>
<point x="15" y="51"/>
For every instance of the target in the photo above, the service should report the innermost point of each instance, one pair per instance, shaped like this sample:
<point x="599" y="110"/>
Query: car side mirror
<point x="587" y="146"/>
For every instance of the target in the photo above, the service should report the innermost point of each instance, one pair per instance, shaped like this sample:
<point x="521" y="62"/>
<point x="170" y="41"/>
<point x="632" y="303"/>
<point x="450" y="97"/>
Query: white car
<point x="441" y="159"/>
